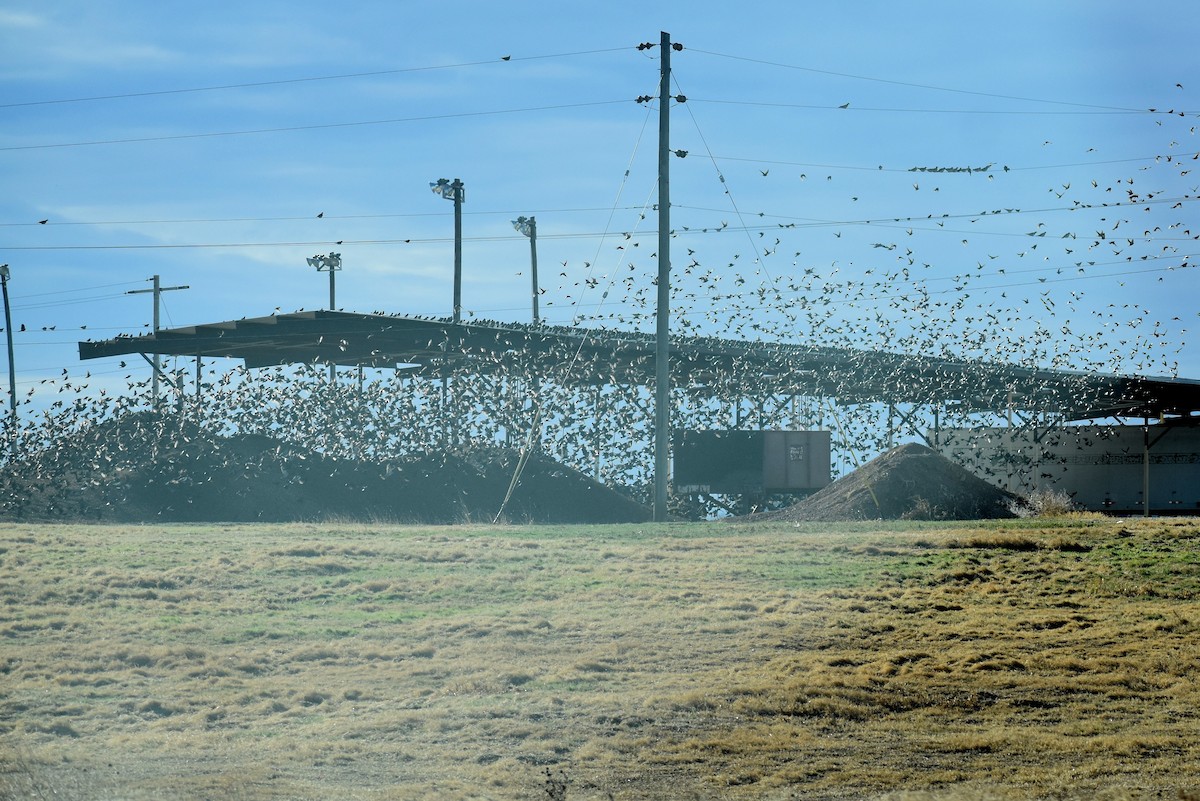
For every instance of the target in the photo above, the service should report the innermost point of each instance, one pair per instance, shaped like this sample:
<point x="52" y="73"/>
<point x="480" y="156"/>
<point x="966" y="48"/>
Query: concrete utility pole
<point x="12" y="369"/>
<point x="662" y="381"/>
<point x="157" y="291"/>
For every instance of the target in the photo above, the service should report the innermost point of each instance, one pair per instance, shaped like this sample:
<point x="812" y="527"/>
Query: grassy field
<point x="1026" y="659"/>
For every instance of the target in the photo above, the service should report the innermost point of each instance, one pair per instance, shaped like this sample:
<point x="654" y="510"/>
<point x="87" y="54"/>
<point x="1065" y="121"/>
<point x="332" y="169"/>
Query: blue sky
<point x="824" y="196"/>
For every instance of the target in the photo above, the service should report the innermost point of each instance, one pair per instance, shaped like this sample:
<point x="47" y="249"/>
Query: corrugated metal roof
<point x="703" y="365"/>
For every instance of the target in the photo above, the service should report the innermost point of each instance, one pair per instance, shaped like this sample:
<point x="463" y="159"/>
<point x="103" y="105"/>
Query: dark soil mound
<point x="139" y="470"/>
<point x="552" y="492"/>
<point x="910" y="482"/>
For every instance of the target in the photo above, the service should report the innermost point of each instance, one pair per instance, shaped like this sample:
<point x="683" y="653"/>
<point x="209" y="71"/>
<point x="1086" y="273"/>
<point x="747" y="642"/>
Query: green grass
<point x="1025" y="659"/>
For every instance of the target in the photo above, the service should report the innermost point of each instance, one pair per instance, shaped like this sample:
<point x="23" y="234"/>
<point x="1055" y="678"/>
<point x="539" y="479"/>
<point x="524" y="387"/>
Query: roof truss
<point x="702" y="364"/>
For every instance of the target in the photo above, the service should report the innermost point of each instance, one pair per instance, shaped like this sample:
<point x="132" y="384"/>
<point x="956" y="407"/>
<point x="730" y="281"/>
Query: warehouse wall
<point x="1102" y="467"/>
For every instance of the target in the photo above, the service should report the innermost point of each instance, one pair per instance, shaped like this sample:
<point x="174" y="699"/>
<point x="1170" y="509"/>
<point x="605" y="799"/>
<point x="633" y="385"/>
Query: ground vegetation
<point x="1016" y="659"/>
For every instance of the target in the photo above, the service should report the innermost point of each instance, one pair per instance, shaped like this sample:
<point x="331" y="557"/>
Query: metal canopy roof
<point x="596" y="356"/>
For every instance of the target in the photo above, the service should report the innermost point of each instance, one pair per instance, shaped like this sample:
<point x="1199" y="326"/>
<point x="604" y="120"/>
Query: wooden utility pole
<point x="662" y="381"/>
<point x="12" y="368"/>
<point x="157" y="291"/>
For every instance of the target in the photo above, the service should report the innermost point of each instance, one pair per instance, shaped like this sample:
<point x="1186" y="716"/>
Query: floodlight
<point x="450" y="190"/>
<point x="331" y="262"/>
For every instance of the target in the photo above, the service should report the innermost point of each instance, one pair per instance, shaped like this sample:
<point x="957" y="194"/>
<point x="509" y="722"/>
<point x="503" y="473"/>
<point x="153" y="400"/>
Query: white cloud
<point x="18" y="19"/>
<point x="55" y="46"/>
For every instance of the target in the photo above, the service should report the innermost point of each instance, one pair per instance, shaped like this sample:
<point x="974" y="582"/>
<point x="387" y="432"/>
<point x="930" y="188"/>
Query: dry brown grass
<point x="1030" y="659"/>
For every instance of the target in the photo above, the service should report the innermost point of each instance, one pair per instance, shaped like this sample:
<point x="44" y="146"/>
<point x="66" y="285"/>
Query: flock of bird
<point x="1027" y="297"/>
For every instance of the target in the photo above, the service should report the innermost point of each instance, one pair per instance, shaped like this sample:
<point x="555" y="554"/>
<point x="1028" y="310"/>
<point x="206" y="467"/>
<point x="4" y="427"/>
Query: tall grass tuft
<point x="1044" y="503"/>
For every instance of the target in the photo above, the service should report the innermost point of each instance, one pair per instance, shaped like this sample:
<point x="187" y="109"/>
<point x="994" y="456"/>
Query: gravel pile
<point x="909" y="482"/>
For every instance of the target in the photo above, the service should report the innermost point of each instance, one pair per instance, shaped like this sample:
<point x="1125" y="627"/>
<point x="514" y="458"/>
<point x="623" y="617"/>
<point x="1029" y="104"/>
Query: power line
<point x="313" y="243"/>
<point x="881" y="168"/>
<point x="828" y="107"/>
<point x="801" y="222"/>
<point x="808" y="222"/>
<point x="910" y="84"/>
<point x="508" y="212"/>
<point x="918" y="288"/>
<point x="725" y="186"/>
<point x="308" y="218"/>
<point x="67" y="302"/>
<point x="322" y="126"/>
<point x="311" y="79"/>
<point x="76" y="289"/>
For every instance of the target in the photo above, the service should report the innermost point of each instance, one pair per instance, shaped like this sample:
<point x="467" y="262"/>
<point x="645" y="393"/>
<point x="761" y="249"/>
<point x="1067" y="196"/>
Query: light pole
<point x="453" y="190"/>
<point x="528" y="227"/>
<point x="330" y="264"/>
<point x="12" y="370"/>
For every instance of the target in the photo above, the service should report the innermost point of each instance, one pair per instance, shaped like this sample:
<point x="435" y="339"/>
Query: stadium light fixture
<point x="330" y="264"/>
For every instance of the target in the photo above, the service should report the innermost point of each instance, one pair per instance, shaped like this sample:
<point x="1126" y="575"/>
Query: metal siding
<point x="795" y="460"/>
<point x="1101" y="468"/>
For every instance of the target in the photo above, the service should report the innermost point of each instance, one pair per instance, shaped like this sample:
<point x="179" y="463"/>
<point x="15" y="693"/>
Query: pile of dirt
<point x="549" y="491"/>
<point x="138" y="470"/>
<point x="909" y="482"/>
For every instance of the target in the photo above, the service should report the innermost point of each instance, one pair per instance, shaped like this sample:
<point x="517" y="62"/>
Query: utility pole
<point x="12" y="369"/>
<point x="157" y="291"/>
<point x="528" y="227"/>
<point x="662" y="380"/>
